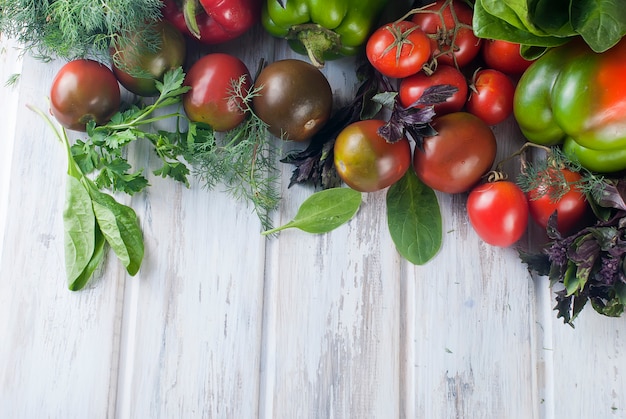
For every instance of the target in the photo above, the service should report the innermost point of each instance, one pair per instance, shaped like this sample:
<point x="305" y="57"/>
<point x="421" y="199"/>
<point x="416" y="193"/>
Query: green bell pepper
<point x="575" y="96"/>
<point x="322" y="29"/>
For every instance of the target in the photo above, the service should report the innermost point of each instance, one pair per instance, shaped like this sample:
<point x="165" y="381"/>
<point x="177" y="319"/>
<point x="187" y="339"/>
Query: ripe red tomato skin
<point x="365" y="161"/>
<point x="84" y="90"/>
<point x="412" y="57"/>
<point x="455" y="159"/>
<point x="492" y="97"/>
<point x="498" y="212"/>
<point x="209" y="99"/>
<point x="468" y="45"/>
<point x="504" y="56"/>
<point x="412" y="87"/>
<point x="571" y="208"/>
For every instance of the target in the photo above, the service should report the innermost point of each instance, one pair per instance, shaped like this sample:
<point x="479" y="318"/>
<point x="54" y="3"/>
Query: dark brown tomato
<point x="294" y="99"/>
<point x="137" y="66"/>
<point x="83" y="91"/>
<point x="455" y="159"/>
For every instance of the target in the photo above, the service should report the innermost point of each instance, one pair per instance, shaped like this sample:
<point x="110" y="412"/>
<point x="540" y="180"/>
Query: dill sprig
<point x="242" y="159"/>
<point x="70" y="29"/>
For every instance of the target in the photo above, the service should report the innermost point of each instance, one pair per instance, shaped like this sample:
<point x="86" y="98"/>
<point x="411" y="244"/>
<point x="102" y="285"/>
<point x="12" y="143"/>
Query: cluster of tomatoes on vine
<point x="435" y="45"/>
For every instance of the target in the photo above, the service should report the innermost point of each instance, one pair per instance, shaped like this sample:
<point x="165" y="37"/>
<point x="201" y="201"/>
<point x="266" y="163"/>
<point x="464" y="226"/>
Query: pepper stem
<point x="317" y="41"/>
<point x="190" y="9"/>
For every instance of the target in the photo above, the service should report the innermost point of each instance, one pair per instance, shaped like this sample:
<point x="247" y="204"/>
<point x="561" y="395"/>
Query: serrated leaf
<point x="324" y="211"/>
<point x="414" y="219"/>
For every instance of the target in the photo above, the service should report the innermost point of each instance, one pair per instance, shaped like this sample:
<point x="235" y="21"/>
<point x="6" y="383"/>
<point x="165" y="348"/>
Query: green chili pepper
<point x="575" y="96"/>
<point x="322" y="29"/>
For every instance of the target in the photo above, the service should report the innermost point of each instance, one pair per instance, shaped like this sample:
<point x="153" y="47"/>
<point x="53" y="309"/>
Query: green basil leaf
<point x="93" y="264"/>
<point x="80" y="229"/>
<point x="120" y="227"/>
<point x="324" y="211"/>
<point x="414" y="219"/>
<point x="601" y="23"/>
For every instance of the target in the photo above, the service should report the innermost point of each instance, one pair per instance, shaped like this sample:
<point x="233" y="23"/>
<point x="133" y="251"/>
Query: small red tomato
<point x="462" y="151"/>
<point x="449" y="24"/>
<point x="504" y="56"/>
<point x="365" y="161"/>
<point x="398" y="49"/>
<point x="82" y="91"/>
<point x="498" y="212"/>
<point x="211" y="99"/>
<point x="571" y="207"/>
<point x="491" y="97"/>
<point x="412" y="87"/>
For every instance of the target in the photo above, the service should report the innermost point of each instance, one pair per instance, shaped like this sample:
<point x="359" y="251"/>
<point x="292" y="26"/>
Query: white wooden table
<point x="223" y="323"/>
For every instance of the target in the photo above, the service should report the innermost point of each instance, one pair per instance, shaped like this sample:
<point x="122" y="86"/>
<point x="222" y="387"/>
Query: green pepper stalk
<point x="323" y="30"/>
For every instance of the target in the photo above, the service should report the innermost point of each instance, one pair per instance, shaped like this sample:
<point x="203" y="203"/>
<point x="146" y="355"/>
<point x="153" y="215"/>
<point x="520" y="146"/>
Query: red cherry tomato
<point x="365" y="161"/>
<point x="398" y="49"/>
<point x="571" y="207"/>
<point x="498" y="212"/>
<point x="83" y="91"/>
<point x="412" y="87"/>
<point x="210" y="99"/>
<point x="504" y="56"/>
<point x="449" y="24"/>
<point x="455" y="159"/>
<point x="491" y="98"/>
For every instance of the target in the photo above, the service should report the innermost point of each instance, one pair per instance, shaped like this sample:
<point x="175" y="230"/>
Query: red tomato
<point x="365" y="161"/>
<point x="449" y="24"/>
<point x="455" y="159"/>
<point x="83" y="91"/>
<point x="491" y="98"/>
<point x="498" y="212"/>
<point x="504" y="56"/>
<point x="210" y="99"/>
<point x="412" y="87"/>
<point x="398" y="49"/>
<point x="571" y="208"/>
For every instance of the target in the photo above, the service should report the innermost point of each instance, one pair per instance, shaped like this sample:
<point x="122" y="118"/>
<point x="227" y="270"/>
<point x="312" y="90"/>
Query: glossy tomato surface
<point x="398" y="49"/>
<point x="491" y="98"/>
<point x="498" y="212"/>
<point x="504" y="56"/>
<point x="412" y="87"/>
<point x="294" y="99"/>
<point x="571" y="207"/>
<point x="455" y="159"/>
<point x="82" y="91"/>
<point x="211" y="98"/>
<point x="365" y="161"/>
<point x="449" y="24"/>
<point x="137" y="65"/>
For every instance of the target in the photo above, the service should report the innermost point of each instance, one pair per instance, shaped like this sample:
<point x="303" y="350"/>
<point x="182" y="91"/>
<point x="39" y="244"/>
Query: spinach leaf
<point x="80" y="230"/>
<point x="324" y="211"/>
<point x="553" y="17"/>
<point x="94" y="262"/>
<point x="120" y="227"/>
<point x="414" y="219"/>
<point x="601" y="23"/>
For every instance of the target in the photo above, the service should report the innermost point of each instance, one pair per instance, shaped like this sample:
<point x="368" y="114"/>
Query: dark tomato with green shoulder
<point x="84" y="90"/>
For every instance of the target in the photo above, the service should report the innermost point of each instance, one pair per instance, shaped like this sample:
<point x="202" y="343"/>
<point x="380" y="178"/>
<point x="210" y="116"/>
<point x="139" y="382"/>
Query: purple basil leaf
<point x="414" y="116"/>
<point x="436" y="94"/>
<point x="612" y="196"/>
<point x="392" y="131"/>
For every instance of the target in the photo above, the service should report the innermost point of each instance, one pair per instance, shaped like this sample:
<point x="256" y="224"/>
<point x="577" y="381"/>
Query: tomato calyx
<point x="400" y="39"/>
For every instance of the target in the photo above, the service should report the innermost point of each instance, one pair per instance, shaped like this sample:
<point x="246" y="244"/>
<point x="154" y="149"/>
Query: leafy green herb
<point x="548" y="23"/>
<point x="76" y="28"/>
<point x="324" y="211"/>
<point x="414" y="219"/>
<point x="92" y="218"/>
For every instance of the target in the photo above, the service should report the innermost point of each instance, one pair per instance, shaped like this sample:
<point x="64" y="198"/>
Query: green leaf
<point x="80" y="230"/>
<point x="93" y="264"/>
<point x="601" y="23"/>
<point x="120" y="227"/>
<point x="324" y="211"/>
<point x="414" y="219"/>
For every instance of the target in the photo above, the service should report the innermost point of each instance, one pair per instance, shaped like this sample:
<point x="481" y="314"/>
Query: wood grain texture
<point x="223" y="323"/>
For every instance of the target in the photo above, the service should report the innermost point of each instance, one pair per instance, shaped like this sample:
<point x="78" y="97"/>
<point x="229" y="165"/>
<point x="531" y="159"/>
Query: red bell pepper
<point x="212" y="21"/>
